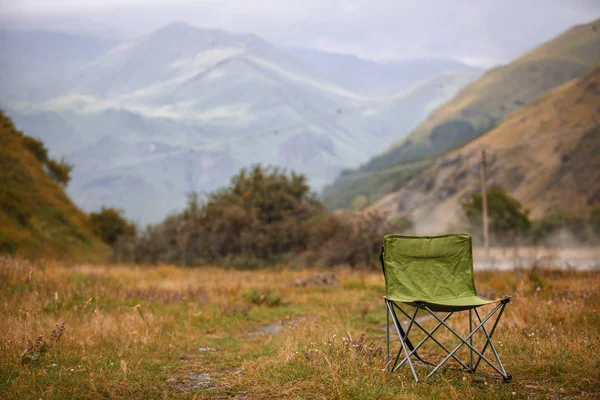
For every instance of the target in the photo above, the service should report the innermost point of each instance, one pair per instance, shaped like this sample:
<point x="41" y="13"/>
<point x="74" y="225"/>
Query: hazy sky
<point x="480" y="32"/>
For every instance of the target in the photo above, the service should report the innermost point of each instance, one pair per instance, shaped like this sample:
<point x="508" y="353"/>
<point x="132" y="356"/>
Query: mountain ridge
<point x="484" y="103"/>
<point x="208" y="109"/>
<point x="546" y="155"/>
<point x="380" y="78"/>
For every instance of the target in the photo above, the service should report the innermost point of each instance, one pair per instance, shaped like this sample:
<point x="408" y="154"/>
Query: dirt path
<point x="199" y="375"/>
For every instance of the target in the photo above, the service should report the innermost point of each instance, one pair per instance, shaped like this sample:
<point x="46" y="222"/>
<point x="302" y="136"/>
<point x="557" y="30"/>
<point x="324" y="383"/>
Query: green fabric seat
<point x="435" y="270"/>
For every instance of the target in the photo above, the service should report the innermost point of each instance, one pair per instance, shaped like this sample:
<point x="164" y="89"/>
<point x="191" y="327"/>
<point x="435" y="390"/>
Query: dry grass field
<point x="84" y="331"/>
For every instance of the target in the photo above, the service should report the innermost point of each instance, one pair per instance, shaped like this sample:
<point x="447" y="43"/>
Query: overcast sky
<point x="479" y="32"/>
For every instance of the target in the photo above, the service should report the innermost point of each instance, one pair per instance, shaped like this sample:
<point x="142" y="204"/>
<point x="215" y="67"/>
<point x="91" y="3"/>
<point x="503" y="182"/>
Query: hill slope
<point x="484" y="103"/>
<point x="37" y="219"/>
<point x="547" y="156"/>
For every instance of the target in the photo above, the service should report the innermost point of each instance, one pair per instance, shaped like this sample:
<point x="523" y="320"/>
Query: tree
<point x="264" y="213"/>
<point x="109" y="224"/>
<point x="508" y="218"/>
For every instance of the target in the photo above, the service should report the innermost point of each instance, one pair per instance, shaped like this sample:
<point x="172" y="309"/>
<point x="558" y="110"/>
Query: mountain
<point x="377" y="78"/>
<point x="407" y="110"/>
<point x="37" y="65"/>
<point x="484" y="103"/>
<point x="547" y="156"/>
<point x="182" y="109"/>
<point x="37" y="218"/>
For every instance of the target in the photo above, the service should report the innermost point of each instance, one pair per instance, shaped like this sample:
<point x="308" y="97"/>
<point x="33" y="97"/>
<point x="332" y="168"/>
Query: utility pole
<point x="486" y="241"/>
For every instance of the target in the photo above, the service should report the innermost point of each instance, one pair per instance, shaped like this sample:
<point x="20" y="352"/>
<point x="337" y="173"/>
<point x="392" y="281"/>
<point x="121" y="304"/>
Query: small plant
<point x="35" y="350"/>
<point x="60" y="171"/>
<point x="259" y="299"/>
<point x="362" y="347"/>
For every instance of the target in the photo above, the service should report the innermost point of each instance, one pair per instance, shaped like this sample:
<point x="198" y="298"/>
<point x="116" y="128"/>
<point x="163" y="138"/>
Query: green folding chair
<point x="435" y="274"/>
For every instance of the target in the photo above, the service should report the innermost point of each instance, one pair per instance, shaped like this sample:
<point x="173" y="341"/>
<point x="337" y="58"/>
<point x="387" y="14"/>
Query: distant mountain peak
<point x="177" y="27"/>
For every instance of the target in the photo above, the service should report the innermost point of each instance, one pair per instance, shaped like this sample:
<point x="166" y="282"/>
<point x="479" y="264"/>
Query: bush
<point x="109" y="224"/>
<point x="265" y="216"/>
<point x="262" y="298"/>
<point x="578" y="229"/>
<point x="351" y="238"/>
<point x="59" y="171"/>
<point x="37" y="148"/>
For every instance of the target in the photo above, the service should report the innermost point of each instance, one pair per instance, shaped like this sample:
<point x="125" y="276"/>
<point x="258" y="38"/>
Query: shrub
<point x="37" y="148"/>
<point x="259" y="298"/>
<point x="109" y="224"/>
<point x="265" y="216"/>
<point x="577" y="228"/>
<point x="60" y="171"/>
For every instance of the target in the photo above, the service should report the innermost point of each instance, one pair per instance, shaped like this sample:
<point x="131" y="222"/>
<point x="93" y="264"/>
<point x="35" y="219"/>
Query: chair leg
<point x="394" y="366"/>
<point x="471" y="341"/>
<point x="465" y="341"/>
<point x="489" y="341"/>
<point x="411" y="351"/>
<point x="390" y="367"/>
<point x="429" y="335"/>
<point x="403" y="338"/>
<point x="409" y="344"/>
<point x="387" y="339"/>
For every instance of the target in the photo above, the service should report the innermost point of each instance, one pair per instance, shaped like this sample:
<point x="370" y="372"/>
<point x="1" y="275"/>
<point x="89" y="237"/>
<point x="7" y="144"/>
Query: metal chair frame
<point x="411" y="351"/>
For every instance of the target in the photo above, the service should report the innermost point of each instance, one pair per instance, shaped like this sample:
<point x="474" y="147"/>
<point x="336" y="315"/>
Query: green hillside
<point x="354" y="190"/>
<point x="480" y="107"/>
<point x="37" y="218"/>
<point x="546" y="156"/>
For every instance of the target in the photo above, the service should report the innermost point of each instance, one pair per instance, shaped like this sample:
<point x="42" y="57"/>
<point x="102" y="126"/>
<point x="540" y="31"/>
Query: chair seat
<point x="447" y="305"/>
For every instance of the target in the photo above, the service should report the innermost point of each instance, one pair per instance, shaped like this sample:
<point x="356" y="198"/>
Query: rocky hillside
<point x="547" y="156"/>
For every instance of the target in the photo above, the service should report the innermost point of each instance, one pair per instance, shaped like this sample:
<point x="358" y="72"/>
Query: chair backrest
<point x="428" y="268"/>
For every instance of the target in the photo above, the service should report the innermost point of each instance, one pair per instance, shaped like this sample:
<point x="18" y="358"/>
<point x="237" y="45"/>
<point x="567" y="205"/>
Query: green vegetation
<point x="578" y="228"/>
<point x="210" y="333"/>
<point x="37" y="219"/>
<point x="509" y="222"/>
<point x="60" y="171"/>
<point x="109" y="224"/>
<point x="265" y="216"/>
<point x="483" y="105"/>
<point x="351" y="185"/>
<point x="507" y="218"/>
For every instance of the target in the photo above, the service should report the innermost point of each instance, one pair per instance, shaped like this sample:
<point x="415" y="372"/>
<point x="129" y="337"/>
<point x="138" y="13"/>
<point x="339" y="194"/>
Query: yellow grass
<point x="168" y="332"/>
